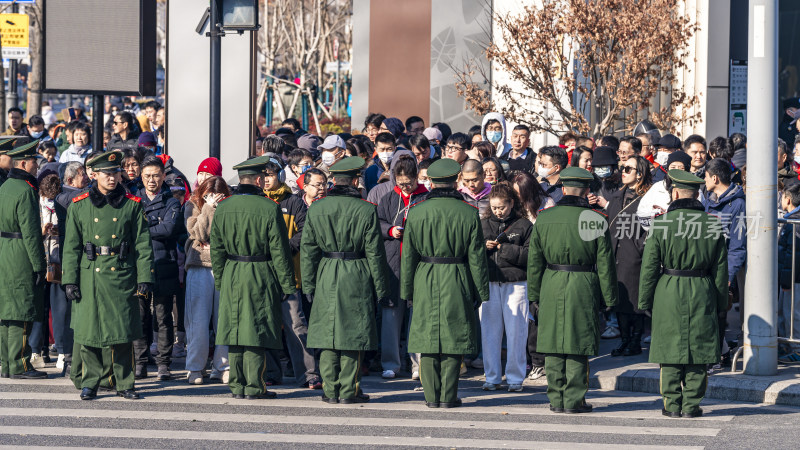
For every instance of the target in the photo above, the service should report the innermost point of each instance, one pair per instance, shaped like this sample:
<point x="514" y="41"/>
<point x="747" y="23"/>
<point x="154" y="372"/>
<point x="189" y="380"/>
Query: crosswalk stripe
<point x="355" y="421"/>
<point x="315" y="403"/>
<point x="120" y="433"/>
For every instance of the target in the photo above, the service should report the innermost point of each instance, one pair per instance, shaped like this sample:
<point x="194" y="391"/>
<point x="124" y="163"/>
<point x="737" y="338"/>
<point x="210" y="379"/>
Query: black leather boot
<point x="635" y="345"/>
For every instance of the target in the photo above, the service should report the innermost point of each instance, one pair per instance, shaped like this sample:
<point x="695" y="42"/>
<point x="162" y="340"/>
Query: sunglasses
<point x="628" y="169"/>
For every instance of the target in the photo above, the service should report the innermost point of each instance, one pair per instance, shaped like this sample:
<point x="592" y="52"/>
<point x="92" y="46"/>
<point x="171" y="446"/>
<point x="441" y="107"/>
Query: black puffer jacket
<point x="509" y="263"/>
<point x="392" y="213"/>
<point x="164" y="218"/>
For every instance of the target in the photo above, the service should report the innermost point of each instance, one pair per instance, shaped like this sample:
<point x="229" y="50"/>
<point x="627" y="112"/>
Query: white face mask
<point x="328" y="159"/>
<point x="37" y="134"/>
<point x="544" y="173"/>
<point x="662" y="157"/>
<point x="385" y="157"/>
<point x="427" y="184"/>
<point x="603" y="172"/>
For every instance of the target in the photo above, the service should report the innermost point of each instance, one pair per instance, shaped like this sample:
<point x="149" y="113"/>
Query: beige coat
<point x="198" y="224"/>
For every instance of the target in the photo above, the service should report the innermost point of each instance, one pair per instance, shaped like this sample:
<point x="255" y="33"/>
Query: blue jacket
<point x="785" y="252"/>
<point x="372" y="174"/>
<point x="163" y="215"/>
<point x="730" y="208"/>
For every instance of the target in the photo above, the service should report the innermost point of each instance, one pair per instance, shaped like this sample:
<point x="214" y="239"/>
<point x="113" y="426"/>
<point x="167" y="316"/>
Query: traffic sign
<point x="331" y="67"/>
<point x="14" y="31"/>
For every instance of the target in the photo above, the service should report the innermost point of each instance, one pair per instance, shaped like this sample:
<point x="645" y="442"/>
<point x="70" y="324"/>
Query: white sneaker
<point x="388" y="374"/>
<point x="36" y="361"/>
<point x="216" y="375"/>
<point x="195" y="378"/>
<point x="226" y="374"/>
<point x="610" y="333"/>
<point x="646" y="339"/>
<point x="536" y="373"/>
<point x="490" y="386"/>
<point x="477" y="363"/>
<point x="60" y="362"/>
<point x="514" y="388"/>
<point x="415" y="375"/>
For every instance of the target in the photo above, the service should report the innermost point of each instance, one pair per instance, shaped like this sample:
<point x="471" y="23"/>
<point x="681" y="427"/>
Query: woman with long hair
<point x="202" y="300"/>
<point x="628" y="238"/>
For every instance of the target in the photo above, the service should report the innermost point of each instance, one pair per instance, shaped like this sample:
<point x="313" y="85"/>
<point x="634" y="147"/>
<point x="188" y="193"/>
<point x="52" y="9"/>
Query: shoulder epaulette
<point x="470" y="204"/>
<point x="600" y="212"/>
<point x="417" y="203"/>
<point x="133" y="197"/>
<point x="80" y="197"/>
<point x="29" y="184"/>
<point x="369" y="202"/>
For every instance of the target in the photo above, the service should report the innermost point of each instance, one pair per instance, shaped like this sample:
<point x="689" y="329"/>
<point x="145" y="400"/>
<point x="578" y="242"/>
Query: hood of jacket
<point x="502" y="147"/>
<point x="397" y="154"/>
<point x="733" y="192"/>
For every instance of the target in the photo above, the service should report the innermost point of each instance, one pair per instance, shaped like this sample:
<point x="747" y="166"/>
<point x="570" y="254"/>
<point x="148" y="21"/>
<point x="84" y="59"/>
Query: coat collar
<point x="686" y="203"/>
<point x="344" y="191"/>
<point x="19" y="174"/>
<point x="114" y="198"/>
<point x="248" y="189"/>
<point x="573" y="200"/>
<point x="445" y="193"/>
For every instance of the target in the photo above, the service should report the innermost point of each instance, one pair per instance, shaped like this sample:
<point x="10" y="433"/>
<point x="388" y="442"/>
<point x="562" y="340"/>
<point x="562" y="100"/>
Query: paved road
<point x="173" y="414"/>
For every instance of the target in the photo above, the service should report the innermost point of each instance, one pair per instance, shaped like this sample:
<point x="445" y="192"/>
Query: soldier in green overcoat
<point x="5" y="160"/>
<point x="107" y="262"/>
<point x="343" y="266"/>
<point x="22" y="264"/>
<point x="571" y="272"/>
<point x="684" y="282"/>
<point x="253" y="269"/>
<point x="444" y="273"/>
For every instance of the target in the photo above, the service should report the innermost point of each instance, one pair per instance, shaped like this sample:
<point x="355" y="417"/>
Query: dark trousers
<point x="95" y="362"/>
<point x="180" y="308"/>
<point x="537" y="359"/>
<point x="439" y="376"/>
<point x="631" y="325"/>
<point x="15" y="349"/>
<point x="162" y="306"/>
<point x="62" y="314"/>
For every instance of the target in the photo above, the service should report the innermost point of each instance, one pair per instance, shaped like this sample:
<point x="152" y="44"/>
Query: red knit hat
<point x="212" y="166"/>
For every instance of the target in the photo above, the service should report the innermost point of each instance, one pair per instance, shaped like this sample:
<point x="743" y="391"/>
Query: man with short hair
<point x="684" y="282"/>
<point x="474" y="187"/>
<point x="36" y="128"/>
<point x="695" y="147"/>
<point x="163" y="214"/>
<point x="628" y="146"/>
<point x="521" y="156"/>
<point x="444" y="274"/>
<point x="415" y="125"/>
<point x="385" y="145"/>
<point x="552" y="160"/>
<point x="22" y="264"/>
<point x="456" y="147"/>
<point x="299" y="162"/>
<point x="331" y="150"/>
<point x="16" y="124"/>
<point x="571" y="271"/>
<point x="107" y="265"/>
<point x="151" y="108"/>
<point x="252" y="266"/>
<point x="343" y="262"/>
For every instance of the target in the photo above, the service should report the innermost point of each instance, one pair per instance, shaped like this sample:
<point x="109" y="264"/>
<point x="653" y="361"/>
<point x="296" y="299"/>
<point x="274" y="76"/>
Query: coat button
<point x="113" y="269"/>
<point x="96" y="236"/>
<point x="113" y="236"/>
<point x="112" y="253"/>
<point x="114" y="219"/>
<point x="97" y="270"/>
<point x="96" y="219"/>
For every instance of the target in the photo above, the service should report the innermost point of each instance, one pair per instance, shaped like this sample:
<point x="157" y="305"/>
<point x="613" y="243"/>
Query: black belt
<point x="5" y="234"/>
<point x="253" y="258"/>
<point x="443" y="259"/>
<point x="102" y="250"/>
<point x="698" y="273"/>
<point x="571" y="267"/>
<point x="347" y="256"/>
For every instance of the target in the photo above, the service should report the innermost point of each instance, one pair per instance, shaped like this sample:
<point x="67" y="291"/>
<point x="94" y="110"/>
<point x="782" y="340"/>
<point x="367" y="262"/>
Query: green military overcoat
<point x="250" y="293"/>
<point x="571" y="234"/>
<point x="20" y="258"/>
<point x="343" y="311"/>
<point x="444" y="295"/>
<point x="684" y="309"/>
<point x="108" y="311"/>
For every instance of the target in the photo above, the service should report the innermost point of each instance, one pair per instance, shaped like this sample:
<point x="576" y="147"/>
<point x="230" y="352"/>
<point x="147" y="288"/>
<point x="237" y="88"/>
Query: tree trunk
<point x="36" y="56"/>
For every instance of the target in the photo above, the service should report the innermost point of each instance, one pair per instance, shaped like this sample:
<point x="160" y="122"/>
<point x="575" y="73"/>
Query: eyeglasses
<point x="453" y="148"/>
<point x="628" y="169"/>
<point x="317" y="186"/>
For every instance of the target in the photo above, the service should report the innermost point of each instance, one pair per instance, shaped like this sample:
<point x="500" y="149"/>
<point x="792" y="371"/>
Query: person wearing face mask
<point x="604" y="166"/>
<point x="423" y="174"/>
<point x="36" y="129"/>
<point x="299" y="162"/>
<point x="668" y="144"/>
<point x="385" y="145"/>
<point x="392" y="210"/>
<point x="552" y="160"/>
<point x="657" y="199"/>
<point x="493" y="129"/>
<point x="81" y="144"/>
<point x="331" y="152"/>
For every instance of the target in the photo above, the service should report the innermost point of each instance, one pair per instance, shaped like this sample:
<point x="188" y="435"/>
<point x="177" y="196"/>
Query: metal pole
<point x="98" y="108"/>
<point x="304" y="111"/>
<point x="12" y="97"/>
<point x="761" y="291"/>
<point x="215" y="81"/>
<point x="268" y="113"/>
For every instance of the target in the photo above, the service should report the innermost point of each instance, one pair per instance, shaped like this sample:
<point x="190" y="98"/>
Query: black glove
<point x="73" y="292"/>
<point x="39" y="278"/>
<point x="386" y="302"/>
<point x="144" y="289"/>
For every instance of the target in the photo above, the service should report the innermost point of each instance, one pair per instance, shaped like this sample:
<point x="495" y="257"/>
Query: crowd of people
<point x="509" y="183"/>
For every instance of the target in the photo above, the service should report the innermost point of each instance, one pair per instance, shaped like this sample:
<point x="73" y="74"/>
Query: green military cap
<point x="682" y="179"/>
<point x="24" y="151"/>
<point x="106" y="162"/>
<point x="576" y="177"/>
<point x="444" y="170"/>
<point x="252" y="166"/>
<point x="6" y="145"/>
<point x="350" y="166"/>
